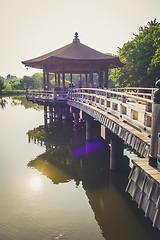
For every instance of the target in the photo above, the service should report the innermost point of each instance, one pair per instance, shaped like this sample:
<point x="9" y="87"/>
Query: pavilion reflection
<point x="60" y="171"/>
<point x="56" y="162"/>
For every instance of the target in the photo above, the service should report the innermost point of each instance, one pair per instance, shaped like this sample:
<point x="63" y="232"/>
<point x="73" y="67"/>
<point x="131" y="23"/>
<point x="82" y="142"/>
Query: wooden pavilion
<point x="75" y="58"/>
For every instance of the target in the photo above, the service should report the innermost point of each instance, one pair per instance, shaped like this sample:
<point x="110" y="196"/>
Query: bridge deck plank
<point x="143" y="163"/>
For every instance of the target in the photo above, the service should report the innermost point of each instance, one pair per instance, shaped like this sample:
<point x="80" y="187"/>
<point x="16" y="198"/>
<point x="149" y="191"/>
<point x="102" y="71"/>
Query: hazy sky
<point x="31" y="28"/>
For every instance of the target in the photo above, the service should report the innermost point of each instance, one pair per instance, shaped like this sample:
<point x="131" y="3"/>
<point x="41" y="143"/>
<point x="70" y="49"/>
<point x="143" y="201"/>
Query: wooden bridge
<point x="127" y="112"/>
<point x="124" y="113"/>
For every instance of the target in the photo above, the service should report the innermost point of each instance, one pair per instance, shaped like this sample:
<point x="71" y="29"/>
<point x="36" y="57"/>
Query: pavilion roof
<point x="75" y="51"/>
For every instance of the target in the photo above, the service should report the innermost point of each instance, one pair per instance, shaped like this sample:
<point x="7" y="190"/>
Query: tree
<point x="15" y="84"/>
<point x="2" y="86"/>
<point x="27" y="82"/>
<point x="149" y="24"/>
<point x="38" y="80"/>
<point x="10" y="77"/>
<point x="142" y="58"/>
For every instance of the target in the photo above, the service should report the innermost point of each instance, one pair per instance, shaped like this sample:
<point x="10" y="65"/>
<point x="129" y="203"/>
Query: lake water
<point x="54" y="185"/>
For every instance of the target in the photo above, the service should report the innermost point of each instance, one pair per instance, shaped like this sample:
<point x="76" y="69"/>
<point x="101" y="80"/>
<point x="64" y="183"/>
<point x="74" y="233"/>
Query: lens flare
<point x="88" y="147"/>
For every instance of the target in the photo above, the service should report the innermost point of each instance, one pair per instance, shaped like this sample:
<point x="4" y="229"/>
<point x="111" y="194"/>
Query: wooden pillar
<point x="106" y="79"/>
<point x="63" y="77"/>
<point x="100" y="79"/>
<point x="116" y="147"/>
<point x="86" y="80"/>
<point x="71" y="78"/>
<point x="51" y="113"/>
<point x="55" y="76"/>
<point x="76" y="118"/>
<point x="48" y="80"/>
<point x="45" y="114"/>
<point x="89" y="121"/>
<point x="80" y="80"/>
<point x="64" y="113"/>
<point x="44" y="80"/>
<point x="116" y="153"/>
<point x="76" y="114"/>
<point x="89" y="128"/>
<point x="58" y="81"/>
<point x="91" y="79"/>
<point x="56" y="113"/>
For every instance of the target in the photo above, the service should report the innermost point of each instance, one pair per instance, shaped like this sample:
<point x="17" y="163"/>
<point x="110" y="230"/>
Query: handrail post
<point x="123" y="99"/>
<point x="155" y="127"/>
<point x="55" y="95"/>
<point x="158" y="151"/>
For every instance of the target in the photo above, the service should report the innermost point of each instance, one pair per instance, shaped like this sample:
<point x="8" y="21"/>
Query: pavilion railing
<point x="131" y="105"/>
<point x="46" y="95"/>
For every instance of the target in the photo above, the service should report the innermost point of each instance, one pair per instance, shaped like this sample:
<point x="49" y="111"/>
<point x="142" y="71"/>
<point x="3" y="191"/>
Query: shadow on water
<point x="3" y="102"/>
<point x="68" y="157"/>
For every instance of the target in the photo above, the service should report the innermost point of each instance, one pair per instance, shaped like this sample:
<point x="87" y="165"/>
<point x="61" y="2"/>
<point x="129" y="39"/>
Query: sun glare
<point x="35" y="182"/>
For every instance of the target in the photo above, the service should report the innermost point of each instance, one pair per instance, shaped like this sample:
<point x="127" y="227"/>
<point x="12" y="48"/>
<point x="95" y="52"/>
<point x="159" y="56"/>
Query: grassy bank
<point x="12" y="92"/>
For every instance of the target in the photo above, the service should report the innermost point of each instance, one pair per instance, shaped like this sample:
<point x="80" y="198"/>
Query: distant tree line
<point x="36" y="81"/>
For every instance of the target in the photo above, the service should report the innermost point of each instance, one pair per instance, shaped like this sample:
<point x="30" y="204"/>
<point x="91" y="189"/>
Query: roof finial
<point x="76" y="39"/>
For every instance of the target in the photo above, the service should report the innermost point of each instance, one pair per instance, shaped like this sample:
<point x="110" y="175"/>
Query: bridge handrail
<point x="47" y="94"/>
<point x="133" y="109"/>
<point x="135" y="90"/>
<point x="104" y="93"/>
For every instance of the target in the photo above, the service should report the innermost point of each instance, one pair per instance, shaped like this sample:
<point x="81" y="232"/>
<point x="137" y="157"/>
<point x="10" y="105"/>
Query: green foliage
<point x="8" y="88"/>
<point x="52" y="82"/>
<point x="34" y="82"/>
<point x="2" y="86"/>
<point x="142" y="58"/>
<point x="38" y="80"/>
<point x="149" y="24"/>
<point x="10" y="77"/>
<point x="15" y="84"/>
<point x="26" y="82"/>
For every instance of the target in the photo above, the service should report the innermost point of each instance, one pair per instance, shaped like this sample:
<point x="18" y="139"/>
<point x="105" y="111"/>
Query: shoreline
<point x="12" y="93"/>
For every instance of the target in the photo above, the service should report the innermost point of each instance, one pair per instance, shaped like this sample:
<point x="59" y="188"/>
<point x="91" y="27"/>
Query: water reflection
<point x="3" y="102"/>
<point x="60" y="171"/>
<point x="21" y="100"/>
<point x="69" y="157"/>
<point x="57" y="162"/>
<point x="35" y="182"/>
<point x="76" y="196"/>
